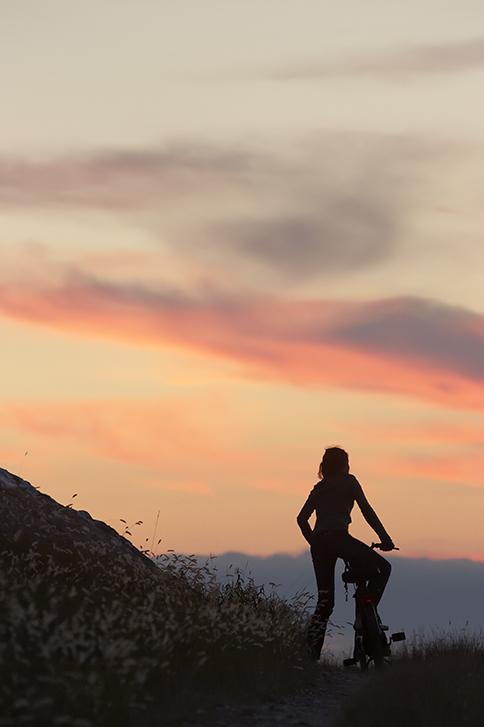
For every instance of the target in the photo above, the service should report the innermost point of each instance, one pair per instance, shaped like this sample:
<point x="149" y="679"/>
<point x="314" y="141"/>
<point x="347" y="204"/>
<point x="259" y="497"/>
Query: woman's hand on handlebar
<point x="385" y="546"/>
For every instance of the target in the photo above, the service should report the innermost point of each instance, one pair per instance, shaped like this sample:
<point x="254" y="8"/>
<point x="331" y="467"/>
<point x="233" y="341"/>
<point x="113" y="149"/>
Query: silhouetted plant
<point x="105" y="646"/>
<point x="438" y="680"/>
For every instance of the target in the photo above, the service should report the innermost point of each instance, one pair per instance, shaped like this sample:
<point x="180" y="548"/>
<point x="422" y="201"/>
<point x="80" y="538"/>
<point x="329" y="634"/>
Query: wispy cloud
<point x="437" y="434"/>
<point x="152" y="435"/>
<point x="335" y="204"/>
<point x="418" y="330"/>
<point x="175" y="446"/>
<point x="419" y="60"/>
<point x="124" y="180"/>
<point x="462" y="468"/>
<point x="405" y="346"/>
<point x="157" y="435"/>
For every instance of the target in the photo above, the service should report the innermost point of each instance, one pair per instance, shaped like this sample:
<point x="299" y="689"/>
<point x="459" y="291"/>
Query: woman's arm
<point x="303" y="518"/>
<point x="372" y="518"/>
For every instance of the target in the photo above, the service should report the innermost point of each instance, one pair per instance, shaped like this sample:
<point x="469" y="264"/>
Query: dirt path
<point x="316" y="706"/>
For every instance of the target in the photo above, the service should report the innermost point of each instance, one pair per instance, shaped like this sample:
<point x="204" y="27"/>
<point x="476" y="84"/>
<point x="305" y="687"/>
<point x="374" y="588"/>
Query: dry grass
<point x="107" y="648"/>
<point x="438" y="681"/>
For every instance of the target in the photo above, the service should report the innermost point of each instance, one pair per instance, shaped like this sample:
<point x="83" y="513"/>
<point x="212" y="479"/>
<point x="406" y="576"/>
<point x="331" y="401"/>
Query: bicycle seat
<point x="356" y="575"/>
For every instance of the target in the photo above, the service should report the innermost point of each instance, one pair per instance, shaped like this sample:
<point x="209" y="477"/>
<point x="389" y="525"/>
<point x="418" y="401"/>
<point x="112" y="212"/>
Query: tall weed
<point x="437" y="681"/>
<point x="104" y="646"/>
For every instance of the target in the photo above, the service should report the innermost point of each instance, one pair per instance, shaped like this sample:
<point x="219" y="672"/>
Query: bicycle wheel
<point x="372" y="639"/>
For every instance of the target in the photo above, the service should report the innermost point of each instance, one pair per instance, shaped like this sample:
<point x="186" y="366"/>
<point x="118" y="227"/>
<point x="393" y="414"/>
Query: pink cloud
<point x="405" y="346"/>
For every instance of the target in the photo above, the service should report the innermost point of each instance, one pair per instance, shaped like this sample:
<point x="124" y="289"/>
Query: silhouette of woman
<point x="333" y="498"/>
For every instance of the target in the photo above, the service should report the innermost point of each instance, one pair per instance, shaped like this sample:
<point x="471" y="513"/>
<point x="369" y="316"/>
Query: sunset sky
<point x="234" y="233"/>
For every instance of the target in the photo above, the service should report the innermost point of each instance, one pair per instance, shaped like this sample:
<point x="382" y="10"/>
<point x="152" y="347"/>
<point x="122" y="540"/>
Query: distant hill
<point x="423" y="594"/>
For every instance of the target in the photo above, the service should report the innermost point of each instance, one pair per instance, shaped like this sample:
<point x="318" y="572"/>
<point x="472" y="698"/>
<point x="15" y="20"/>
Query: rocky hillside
<point x="34" y="522"/>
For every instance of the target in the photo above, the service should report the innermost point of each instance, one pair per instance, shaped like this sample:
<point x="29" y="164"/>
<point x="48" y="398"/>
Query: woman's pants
<point x="326" y="547"/>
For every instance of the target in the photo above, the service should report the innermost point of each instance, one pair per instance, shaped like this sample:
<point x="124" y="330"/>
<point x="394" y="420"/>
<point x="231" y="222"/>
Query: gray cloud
<point x="344" y="207"/>
<point x="431" y="59"/>
<point x="341" y="235"/>
<point x="334" y="205"/>
<point x="419" y="330"/>
<point x="125" y="179"/>
<point x="302" y="247"/>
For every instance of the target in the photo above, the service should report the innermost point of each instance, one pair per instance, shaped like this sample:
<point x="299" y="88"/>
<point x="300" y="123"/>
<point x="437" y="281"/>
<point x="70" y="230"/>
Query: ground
<point x="317" y="706"/>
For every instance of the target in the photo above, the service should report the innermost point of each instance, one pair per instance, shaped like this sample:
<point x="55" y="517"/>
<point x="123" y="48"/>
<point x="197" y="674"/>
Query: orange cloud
<point x="433" y="450"/>
<point x="170" y="451"/>
<point x="155" y="435"/>
<point x="168" y="437"/>
<point x="406" y="346"/>
<point x="463" y="469"/>
<point x="182" y="448"/>
<point x="434" y="433"/>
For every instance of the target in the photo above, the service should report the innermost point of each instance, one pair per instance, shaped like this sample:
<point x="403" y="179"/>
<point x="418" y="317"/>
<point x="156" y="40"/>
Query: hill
<point x="94" y="634"/>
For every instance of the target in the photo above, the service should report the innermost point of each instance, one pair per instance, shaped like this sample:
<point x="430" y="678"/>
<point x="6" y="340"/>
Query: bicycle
<point x="371" y="644"/>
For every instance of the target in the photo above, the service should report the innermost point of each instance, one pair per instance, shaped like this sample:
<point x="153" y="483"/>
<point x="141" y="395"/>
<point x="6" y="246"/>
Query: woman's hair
<point x="335" y="462"/>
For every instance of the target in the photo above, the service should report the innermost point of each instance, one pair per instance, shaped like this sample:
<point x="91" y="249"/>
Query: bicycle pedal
<point x="399" y="636"/>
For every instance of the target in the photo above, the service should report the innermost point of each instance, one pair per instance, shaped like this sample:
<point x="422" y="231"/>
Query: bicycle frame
<point x="370" y="642"/>
<point x="371" y="645"/>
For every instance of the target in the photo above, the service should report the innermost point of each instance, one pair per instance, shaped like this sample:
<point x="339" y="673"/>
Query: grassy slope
<point x="439" y="682"/>
<point x="122" y="649"/>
